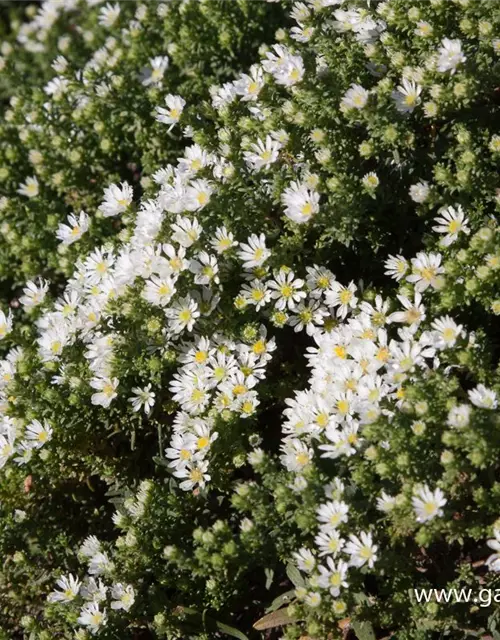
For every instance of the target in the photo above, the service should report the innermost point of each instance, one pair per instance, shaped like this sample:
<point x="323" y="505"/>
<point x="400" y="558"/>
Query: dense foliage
<point x="268" y="386"/>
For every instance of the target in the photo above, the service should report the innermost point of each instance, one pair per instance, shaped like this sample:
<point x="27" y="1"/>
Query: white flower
<point x="90" y="547"/>
<point x="69" y="587"/>
<point x="74" y="230"/>
<point x="361" y="549"/>
<point x="91" y="617"/>
<point x="427" y="504"/>
<point x="29" y="188"/>
<point x="407" y="96"/>
<point x="223" y="240"/>
<point x="99" y="564"/>
<point x="370" y="181"/>
<point x="332" y="514"/>
<point x="385" y="502"/>
<point x="262" y="154"/>
<point x="222" y="96"/>
<point x="142" y="398"/>
<point x="249" y="86"/>
<point x="116" y="199"/>
<point x="37" y="434"/>
<point x="198" y="195"/>
<point x="186" y="231"/>
<point x="396" y="267"/>
<point x="329" y="543"/>
<point x="34" y="294"/>
<point x="5" y="324"/>
<point x="6" y="446"/>
<point x="296" y="455"/>
<point x="286" y="290"/>
<point x="450" y="55"/>
<point x="256" y="293"/>
<point x="182" y="315"/>
<point x="341" y="297"/>
<point x="459" y="416"/>
<point x="205" y="268"/>
<point x="426" y="270"/>
<point x="107" y="391"/>
<point x="483" y="398"/>
<point x="109" y="14"/>
<point x="173" y="113"/>
<point x="447" y="331"/>
<point x="313" y="599"/>
<point x="255" y="253"/>
<point x="493" y="562"/>
<point x="356" y="97"/>
<point x="159" y="290"/>
<point x="333" y="576"/>
<point x="423" y="29"/>
<point x="305" y="560"/>
<point x="194" y="475"/>
<point x="123" y="597"/>
<point x="452" y="221"/>
<point x="419" y="192"/>
<point x="158" y="68"/>
<point x="300" y="202"/>
<point x="414" y="312"/>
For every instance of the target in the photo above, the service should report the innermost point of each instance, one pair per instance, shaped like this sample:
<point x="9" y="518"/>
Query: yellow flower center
<point x="302" y="459"/>
<point x="185" y="315"/>
<point x="203" y="442"/>
<point x="345" y="296"/>
<point x="259" y="347"/>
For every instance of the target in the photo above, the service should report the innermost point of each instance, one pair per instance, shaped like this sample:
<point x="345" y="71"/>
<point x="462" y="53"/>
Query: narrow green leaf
<point x="230" y="631"/>
<point x="284" y="598"/>
<point x="294" y="575"/>
<point x="269" y="577"/>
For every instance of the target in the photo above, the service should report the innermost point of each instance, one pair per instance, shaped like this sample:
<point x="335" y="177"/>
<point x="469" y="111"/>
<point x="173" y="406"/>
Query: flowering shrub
<point x="271" y="398"/>
<point x="107" y="68"/>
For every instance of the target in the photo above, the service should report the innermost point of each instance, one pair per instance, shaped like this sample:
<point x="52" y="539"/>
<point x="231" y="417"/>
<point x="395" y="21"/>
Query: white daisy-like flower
<point x="407" y="96"/>
<point x="30" y="188"/>
<point x="361" y="549"/>
<point x="74" y="230"/>
<point x="493" y="562"/>
<point x="38" y="434"/>
<point x="109" y="14"/>
<point x="426" y="271"/>
<point x="450" y="55"/>
<point x="142" y="398"/>
<point x="69" y="587"/>
<point x="428" y="504"/>
<point x="172" y="114"/>
<point x="254" y="253"/>
<point x="355" y="97"/>
<point x="483" y="397"/>
<point x="419" y="192"/>
<point x="451" y="222"/>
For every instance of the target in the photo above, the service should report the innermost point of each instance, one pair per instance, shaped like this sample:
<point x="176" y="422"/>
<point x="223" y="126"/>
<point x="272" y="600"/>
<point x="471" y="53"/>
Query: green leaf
<point x="284" y="598"/>
<point x="294" y="575"/>
<point x="269" y="577"/>
<point x="161" y="462"/>
<point x="230" y="631"/>
<point x="363" y="630"/>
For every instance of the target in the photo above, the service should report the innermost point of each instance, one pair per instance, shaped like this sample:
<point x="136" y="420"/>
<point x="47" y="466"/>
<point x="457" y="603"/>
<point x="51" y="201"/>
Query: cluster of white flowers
<point x="93" y="592"/>
<point x="218" y="374"/>
<point x="18" y="440"/>
<point x="33" y="34"/>
<point x="338" y="554"/>
<point x="363" y="355"/>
